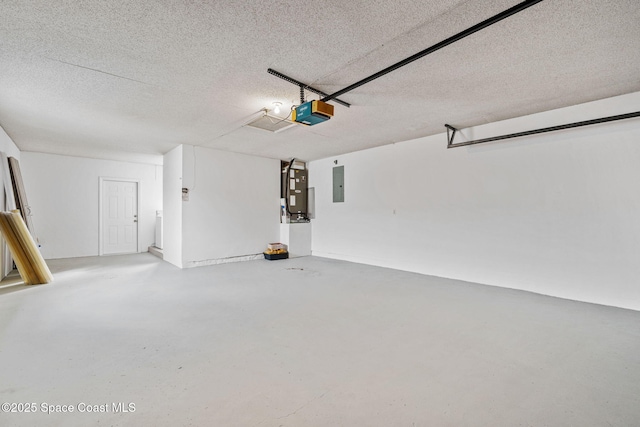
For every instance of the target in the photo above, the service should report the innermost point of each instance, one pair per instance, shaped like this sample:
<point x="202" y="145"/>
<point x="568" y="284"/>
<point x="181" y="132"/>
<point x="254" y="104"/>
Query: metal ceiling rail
<point x="450" y="143"/>
<point x="484" y="24"/>
<point x="304" y="86"/>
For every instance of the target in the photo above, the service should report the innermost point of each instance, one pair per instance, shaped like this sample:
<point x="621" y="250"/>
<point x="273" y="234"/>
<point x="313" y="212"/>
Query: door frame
<point x="102" y="179"/>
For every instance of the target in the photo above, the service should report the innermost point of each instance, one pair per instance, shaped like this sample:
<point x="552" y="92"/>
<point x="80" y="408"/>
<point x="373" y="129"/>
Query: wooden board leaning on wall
<point x="31" y="266"/>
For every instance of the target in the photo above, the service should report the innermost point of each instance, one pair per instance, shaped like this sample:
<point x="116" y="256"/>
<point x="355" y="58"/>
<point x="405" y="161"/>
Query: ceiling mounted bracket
<point x="450" y="143"/>
<point x="304" y="87"/>
<point x="453" y="134"/>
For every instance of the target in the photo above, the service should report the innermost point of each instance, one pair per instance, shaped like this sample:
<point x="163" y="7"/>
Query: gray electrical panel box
<point x="338" y="184"/>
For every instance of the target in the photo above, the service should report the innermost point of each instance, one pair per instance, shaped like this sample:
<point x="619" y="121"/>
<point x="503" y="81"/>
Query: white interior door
<point x="119" y="217"/>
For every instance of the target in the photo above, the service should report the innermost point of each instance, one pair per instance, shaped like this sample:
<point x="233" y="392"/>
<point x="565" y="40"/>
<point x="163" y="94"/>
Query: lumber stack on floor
<point x="31" y="265"/>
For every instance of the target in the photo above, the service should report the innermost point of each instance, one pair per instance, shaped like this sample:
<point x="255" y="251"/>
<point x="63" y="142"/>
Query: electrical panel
<point x="338" y="184"/>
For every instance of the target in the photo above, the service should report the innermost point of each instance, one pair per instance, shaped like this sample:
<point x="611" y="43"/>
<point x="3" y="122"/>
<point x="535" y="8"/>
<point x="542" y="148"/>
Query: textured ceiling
<point x="123" y="79"/>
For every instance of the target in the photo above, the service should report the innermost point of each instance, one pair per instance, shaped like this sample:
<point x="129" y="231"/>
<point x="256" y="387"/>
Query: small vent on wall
<point x="270" y="123"/>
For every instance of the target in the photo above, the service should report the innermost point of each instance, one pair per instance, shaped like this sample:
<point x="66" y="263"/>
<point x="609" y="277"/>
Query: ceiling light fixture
<point x="276" y="107"/>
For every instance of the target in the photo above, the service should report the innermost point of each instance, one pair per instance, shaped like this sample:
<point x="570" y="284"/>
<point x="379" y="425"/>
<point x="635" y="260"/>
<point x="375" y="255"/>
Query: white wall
<point x="233" y="208"/>
<point x="8" y="146"/>
<point x="556" y="213"/>
<point x="64" y="191"/>
<point x="172" y="207"/>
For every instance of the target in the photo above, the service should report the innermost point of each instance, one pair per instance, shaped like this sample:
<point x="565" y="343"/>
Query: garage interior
<point x="462" y="228"/>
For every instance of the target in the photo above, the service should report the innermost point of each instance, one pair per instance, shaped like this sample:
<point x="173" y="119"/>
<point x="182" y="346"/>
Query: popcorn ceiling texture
<point x="98" y="78"/>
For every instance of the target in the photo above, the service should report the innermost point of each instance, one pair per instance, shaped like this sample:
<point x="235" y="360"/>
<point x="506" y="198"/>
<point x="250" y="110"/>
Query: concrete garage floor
<point x="308" y="342"/>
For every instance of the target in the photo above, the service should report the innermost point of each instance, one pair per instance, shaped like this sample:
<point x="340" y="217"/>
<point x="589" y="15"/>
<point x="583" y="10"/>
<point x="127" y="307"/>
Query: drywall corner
<point x="172" y="206"/>
<point x="7" y="145"/>
<point x="233" y="205"/>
